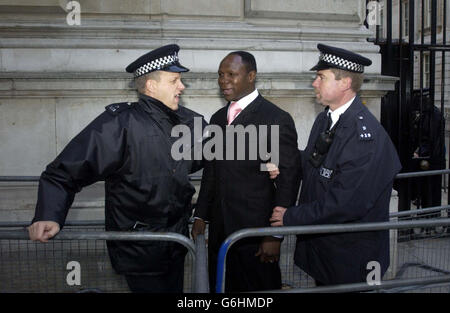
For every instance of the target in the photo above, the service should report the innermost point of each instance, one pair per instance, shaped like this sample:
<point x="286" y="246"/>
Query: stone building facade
<point x="62" y="62"/>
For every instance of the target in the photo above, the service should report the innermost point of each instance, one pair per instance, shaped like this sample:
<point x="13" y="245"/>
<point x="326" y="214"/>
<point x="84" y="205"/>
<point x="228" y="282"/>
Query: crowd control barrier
<point x="339" y="228"/>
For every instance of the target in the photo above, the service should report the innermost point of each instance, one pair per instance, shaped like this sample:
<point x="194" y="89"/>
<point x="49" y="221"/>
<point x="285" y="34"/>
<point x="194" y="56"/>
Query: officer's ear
<point x="346" y="83"/>
<point x="150" y="86"/>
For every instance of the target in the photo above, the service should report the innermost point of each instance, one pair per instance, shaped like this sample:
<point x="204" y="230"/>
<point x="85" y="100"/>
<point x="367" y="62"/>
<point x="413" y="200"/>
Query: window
<point x="405" y="18"/>
<point x="426" y="69"/>
<point x="381" y="26"/>
<point x="427" y="13"/>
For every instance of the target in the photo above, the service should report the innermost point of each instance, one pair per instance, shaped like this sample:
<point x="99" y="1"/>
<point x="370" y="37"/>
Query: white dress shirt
<point x="245" y="101"/>
<point x="339" y="111"/>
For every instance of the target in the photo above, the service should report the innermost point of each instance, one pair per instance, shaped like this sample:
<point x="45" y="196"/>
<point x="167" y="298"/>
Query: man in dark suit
<point x="348" y="168"/>
<point x="235" y="193"/>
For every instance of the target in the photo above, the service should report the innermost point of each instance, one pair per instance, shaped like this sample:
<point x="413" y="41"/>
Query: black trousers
<point x="244" y="271"/>
<point x="319" y="283"/>
<point x="158" y="282"/>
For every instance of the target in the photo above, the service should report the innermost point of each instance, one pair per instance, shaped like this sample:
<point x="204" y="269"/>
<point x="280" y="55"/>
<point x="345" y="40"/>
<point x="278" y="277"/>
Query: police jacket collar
<point x="336" y="114"/>
<point x="154" y="106"/>
<point x="348" y="115"/>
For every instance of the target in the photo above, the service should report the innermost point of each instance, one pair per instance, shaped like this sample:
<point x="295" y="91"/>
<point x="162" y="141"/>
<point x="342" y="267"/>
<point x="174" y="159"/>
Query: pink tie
<point x="233" y="111"/>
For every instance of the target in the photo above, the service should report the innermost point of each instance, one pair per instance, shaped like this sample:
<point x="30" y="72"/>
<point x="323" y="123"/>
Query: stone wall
<point x="55" y="77"/>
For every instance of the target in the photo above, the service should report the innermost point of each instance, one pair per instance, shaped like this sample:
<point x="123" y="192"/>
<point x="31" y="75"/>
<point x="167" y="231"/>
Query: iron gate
<point x="413" y="114"/>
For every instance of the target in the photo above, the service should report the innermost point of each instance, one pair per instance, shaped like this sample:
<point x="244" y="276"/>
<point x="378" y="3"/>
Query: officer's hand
<point x="269" y="250"/>
<point x="43" y="230"/>
<point x="277" y="216"/>
<point x="274" y="171"/>
<point x="198" y="228"/>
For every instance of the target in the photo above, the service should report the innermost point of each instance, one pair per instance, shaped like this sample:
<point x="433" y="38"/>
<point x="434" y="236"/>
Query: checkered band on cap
<point x="156" y="65"/>
<point x="341" y="63"/>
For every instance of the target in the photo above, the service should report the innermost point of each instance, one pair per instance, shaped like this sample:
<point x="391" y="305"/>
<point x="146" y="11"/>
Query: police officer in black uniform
<point x="349" y="165"/>
<point x="129" y="147"/>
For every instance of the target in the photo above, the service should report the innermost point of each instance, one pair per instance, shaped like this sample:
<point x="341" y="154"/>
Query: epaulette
<point x="364" y="131"/>
<point x="116" y="108"/>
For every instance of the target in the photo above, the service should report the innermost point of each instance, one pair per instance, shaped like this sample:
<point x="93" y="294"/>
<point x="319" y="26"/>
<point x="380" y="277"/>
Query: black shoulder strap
<point x="116" y="108"/>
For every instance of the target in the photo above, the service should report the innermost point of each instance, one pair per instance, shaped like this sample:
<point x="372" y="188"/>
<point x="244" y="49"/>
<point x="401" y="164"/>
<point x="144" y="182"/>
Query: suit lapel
<point x="248" y="113"/>
<point x="222" y="119"/>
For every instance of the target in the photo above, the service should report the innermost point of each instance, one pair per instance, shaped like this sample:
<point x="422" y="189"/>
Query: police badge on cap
<point x="162" y="59"/>
<point x="332" y="57"/>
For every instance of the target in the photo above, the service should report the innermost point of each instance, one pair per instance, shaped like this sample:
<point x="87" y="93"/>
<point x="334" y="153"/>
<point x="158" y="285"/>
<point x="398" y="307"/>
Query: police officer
<point x="129" y="147"/>
<point x="349" y="165"/>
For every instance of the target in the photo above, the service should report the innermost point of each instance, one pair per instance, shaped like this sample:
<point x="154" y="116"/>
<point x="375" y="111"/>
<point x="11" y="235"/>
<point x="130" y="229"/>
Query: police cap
<point x="332" y="57"/>
<point x="162" y="59"/>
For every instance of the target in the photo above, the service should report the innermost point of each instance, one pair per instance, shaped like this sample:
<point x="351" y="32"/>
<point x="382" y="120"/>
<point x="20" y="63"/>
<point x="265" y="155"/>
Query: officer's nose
<point x="315" y="83"/>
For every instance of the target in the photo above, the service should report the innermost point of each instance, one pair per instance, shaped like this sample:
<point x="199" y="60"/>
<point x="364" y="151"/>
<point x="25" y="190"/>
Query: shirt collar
<point x="245" y="101"/>
<point x="339" y="111"/>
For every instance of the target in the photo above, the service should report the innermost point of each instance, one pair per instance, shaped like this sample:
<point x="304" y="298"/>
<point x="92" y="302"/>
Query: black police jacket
<point x="129" y="147"/>
<point x="352" y="185"/>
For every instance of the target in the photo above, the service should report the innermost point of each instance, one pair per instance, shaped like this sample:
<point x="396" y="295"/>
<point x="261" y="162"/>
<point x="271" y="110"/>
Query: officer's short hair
<point x="357" y="78"/>
<point x="247" y="58"/>
<point x="139" y="82"/>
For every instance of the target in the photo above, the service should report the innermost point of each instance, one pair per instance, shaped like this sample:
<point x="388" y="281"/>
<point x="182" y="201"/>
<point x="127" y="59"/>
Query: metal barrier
<point x="192" y="177"/>
<point x="318" y="229"/>
<point x="397" y="215"/>
<point x="196" y="265"/>
<point x="366" y="287"/>
<point x="199" y="281"/>
<point x="199" y="177"/>
<point x="199" y="272"/>
<point x="14" y="252"/>
<point x="419" y="211"/>
<point x="201" y="266"/>
<point x="422" y="173"/>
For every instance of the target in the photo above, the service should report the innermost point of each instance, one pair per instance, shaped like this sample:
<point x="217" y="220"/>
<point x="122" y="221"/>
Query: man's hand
<point x="269" y="250"/>
<point x="274" y="171"/>
<point x="43" y="230"/>
<point x="198" y="228"/>
<point x="277" y="216"/>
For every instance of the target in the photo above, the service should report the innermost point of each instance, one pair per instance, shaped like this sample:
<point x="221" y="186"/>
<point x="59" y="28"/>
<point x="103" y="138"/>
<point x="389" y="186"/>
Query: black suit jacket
<point x="236" y="194"/>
